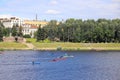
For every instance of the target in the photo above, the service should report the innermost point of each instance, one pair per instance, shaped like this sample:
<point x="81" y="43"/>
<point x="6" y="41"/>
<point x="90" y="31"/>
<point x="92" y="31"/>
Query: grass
<point x="11" y="45"/>
<point x="74" y="46"/>
<point x="47" y="45"/>
<point x="30" y="40"/>
<point x="79" y="46"/>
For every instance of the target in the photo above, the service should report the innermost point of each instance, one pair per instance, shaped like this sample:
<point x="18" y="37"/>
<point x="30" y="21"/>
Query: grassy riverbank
<point x="47" y="45"/>
<point x="77" y="46"/>
<point x="73" y="46"/>
<point x="12" y="46"/>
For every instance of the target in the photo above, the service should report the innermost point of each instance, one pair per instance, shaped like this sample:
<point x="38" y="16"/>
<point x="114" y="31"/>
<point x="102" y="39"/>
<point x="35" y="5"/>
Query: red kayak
<point x="58" y="59"/>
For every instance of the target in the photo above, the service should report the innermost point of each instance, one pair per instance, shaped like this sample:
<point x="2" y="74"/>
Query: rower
<point x="33" y="62"/>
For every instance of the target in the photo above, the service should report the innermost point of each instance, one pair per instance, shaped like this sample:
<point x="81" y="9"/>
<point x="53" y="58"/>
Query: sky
<point x="60" y="9"/>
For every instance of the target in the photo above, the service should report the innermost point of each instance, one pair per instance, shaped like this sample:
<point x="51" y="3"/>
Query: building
<point x="36" y="22"/>
<point x="28" y="26"/>
<point x="28" y="29"/>
<point x="9" y="22"/>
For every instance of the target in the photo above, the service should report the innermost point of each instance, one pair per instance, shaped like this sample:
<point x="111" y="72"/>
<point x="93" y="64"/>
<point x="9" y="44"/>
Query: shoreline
<point x="59" y="46"/>
<point x="55" y="49"/>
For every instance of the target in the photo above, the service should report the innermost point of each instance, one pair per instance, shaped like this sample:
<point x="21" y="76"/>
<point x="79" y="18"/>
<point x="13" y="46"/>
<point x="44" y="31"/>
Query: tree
<point x="20" y="31"/>
<point x="6" y="31"/>
<point x="76" y="30"/>
<point x="14" y="31"/>
<point x="27" y="36"/>
<point x="40" y="34"/>
<point x="1" y="34"/>
<point x="1" y="31"/>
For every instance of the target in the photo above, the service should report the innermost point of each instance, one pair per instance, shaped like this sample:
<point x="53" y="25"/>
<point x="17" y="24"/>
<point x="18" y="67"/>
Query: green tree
<point x="6" y="31"/>
<point x="76" y="30"/>
<point x="41" y="34"/>
<point x="20" y="31"/>
<point x="1" y="33"/>
<point x="14" y="31"/>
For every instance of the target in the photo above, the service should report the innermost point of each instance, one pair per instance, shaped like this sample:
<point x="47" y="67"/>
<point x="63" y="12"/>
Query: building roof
<point x="33" y="27"/>
<point x="36" y="22"/>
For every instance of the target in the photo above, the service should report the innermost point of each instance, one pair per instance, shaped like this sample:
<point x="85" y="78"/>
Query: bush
<point x="27" y="36"/>
<point x="59" y="48"/>
<point x="1" y="49"/>
<point x="46" y="41"/>
<point x="28" y="41"/>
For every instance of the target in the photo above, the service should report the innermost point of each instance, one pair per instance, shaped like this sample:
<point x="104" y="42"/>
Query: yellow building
<point x="35" y="22"/>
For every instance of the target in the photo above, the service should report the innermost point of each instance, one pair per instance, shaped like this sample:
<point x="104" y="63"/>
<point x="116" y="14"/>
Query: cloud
<point x="54" y="2"/>
<point x="91" y="8"/>
<point x="116" y="0"/>
<point x="52" y="12"/>
<point x="68" y="8"/>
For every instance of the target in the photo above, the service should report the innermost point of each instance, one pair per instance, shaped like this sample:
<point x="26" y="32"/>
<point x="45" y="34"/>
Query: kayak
<point x="35" y="62"/>
<point x="66" y="56"/>
<point x="58" y="59"/>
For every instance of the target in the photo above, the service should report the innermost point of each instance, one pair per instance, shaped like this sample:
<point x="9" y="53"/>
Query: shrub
<point x="1" y="49"/>
<point x="59" y="48"/>
<point x="46" y="41"/>
<point x="28" y="41"/>
<point x="27" y="36"/>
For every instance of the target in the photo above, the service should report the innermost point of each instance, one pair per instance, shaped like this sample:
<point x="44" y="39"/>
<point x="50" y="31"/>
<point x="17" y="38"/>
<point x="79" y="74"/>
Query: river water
<point x="85" y="65"/>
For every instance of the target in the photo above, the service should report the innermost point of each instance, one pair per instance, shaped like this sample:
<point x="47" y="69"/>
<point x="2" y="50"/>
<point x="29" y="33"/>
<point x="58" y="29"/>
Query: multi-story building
<point x="36" y="22"/>
<point x="28" y="26"/>
<point x="9" y="22"/>
<point x="28" y="29"/>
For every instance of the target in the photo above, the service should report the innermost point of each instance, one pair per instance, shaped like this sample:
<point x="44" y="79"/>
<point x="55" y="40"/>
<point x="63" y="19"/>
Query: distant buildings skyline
<point x="29" y="27"/>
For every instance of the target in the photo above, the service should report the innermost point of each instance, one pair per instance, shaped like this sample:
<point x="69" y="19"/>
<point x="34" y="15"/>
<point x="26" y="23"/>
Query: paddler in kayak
<point x="59" y="58"/>
<point x="33" y="62"/>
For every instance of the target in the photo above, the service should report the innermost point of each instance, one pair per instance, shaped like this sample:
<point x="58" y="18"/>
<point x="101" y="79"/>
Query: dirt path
<point x="29" y="45"/>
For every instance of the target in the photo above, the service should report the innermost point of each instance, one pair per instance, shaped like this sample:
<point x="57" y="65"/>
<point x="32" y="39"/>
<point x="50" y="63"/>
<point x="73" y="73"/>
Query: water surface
<point x="17" y="65"/>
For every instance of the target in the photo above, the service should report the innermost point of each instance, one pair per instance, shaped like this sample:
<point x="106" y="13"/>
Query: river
<point x="85" y="65"/>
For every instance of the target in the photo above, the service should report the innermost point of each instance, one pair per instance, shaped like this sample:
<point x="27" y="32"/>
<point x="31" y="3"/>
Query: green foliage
<point x="12" y="45"/>
<point x="1" y="31"/>
<point x="1" y="34"/>
<point x="46" y="41"/>
<point x="88" y="31"/>
<point x="17" y="30"/>
<point x="27" y="36"/>
<point x="14" y="31"/>
<point x="1" y="49"/>
<point x="41" y="34"/>
<point x="35" y="34"/>
<point x="6" y="31"/>
<point x="51" y="30"/>
<point x="59" y="48"/>
<point x="20" y="31"/>
<point x="30" y="40"/>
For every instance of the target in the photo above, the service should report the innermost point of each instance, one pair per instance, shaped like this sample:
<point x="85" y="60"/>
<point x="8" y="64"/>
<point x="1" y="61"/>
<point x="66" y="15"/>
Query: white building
<point x="9" y="22"/>
<point x="29" y="29"/>
<point x="28" y="26"/>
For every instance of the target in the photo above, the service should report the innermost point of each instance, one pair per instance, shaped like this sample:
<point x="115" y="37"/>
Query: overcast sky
<point x="61" y="9"/>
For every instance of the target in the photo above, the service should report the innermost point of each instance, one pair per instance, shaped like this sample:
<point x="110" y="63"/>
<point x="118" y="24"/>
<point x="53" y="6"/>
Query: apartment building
<point x="36" y="22"/>
<point x="28" y="29"/>
<point x="9" y="22"/>
<point x="28" y="26"/>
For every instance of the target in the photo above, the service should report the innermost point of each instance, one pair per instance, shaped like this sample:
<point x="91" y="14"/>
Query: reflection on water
<point x="18" y="65"/>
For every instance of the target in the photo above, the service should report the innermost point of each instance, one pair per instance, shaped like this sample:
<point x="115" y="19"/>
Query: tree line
<point x="72" y="30"/>
<point x="78" y="30"/>
<point x="14" y="31"/>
